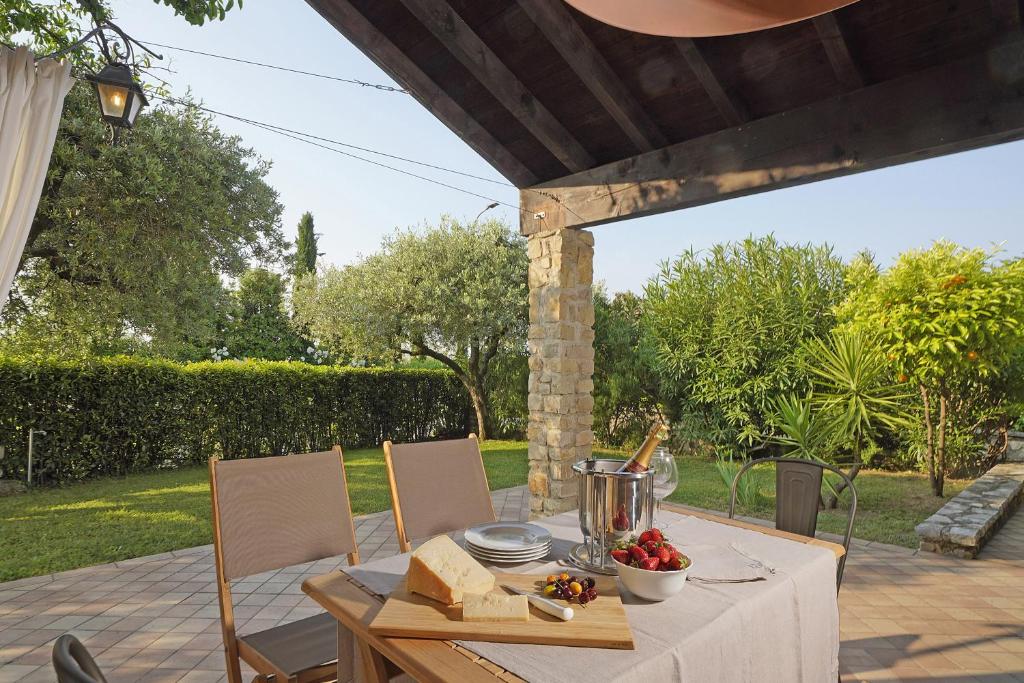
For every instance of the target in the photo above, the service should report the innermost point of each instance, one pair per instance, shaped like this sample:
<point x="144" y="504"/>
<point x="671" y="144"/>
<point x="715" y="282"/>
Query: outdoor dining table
<point x="784" y="628"/>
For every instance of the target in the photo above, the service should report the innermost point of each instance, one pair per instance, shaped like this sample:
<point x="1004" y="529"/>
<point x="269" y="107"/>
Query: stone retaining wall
<point x="964" y="524"/>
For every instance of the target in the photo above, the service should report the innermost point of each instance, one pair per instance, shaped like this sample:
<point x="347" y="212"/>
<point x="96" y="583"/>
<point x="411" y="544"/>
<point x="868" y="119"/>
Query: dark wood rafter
<point x="967" y="104"/>
<point x="845" y="67"/>
<point x="353" y="25"/>
<point x="1007" y="14"/>
<point x="732" y="110"/>
<point x="466" y="46"/>
<point x="566" y="35"/>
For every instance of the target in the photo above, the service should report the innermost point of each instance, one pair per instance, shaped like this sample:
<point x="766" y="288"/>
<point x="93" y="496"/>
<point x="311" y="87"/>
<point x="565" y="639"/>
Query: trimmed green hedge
<point x="120" y="415"/>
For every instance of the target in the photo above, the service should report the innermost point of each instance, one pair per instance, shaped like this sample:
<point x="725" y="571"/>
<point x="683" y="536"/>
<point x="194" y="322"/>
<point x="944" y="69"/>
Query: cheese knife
<point x="543" y="604"/>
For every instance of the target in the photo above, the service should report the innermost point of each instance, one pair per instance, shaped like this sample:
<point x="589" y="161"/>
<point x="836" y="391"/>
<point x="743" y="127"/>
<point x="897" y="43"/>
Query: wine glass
<point x="666" y="475"/>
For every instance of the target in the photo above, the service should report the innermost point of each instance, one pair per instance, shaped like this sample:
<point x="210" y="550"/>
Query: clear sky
<point x="974" y="198"/>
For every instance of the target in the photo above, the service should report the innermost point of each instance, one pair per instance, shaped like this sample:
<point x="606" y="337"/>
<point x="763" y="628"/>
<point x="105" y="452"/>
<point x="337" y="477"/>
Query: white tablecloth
<point x="783" y="629"/>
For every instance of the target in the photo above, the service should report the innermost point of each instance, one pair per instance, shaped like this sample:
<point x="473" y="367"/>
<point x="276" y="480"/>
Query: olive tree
<point x="453" y="292"/>
<point x="951" y="321"/>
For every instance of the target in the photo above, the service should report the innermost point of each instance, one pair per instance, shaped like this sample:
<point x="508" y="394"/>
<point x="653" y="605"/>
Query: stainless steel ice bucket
<point x="613" y="506"/>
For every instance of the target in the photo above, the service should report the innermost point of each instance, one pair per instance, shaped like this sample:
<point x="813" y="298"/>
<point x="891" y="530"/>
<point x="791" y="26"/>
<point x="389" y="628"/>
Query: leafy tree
<point x="625" y="387"/>
<point x="260" y="326"/>
<point x="456" y="293"/>
<point x="305" y="247"/>
<point x="55" y="25"/>
<point x="131" y="241"/>
<point x="726" y="329"/>
<point x="951" y="321"/>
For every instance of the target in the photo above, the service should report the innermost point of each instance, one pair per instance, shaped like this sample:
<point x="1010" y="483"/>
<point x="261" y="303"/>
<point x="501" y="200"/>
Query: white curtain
<point x="31" y="100"/>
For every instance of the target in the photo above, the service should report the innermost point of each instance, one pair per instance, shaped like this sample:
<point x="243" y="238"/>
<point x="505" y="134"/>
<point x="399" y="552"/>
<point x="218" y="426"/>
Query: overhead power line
<point x="313" y="140"/>
<point x="277" y="128"/>
<point x="353" y="81"/>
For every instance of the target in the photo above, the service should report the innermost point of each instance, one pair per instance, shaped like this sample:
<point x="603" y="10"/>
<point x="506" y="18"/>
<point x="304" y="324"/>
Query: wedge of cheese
<point x="495" y="607"/>
<point x="441" y="570"/>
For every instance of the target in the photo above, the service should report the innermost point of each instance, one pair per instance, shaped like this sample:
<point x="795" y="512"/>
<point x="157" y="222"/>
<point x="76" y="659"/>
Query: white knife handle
<point x="550" y="607"/>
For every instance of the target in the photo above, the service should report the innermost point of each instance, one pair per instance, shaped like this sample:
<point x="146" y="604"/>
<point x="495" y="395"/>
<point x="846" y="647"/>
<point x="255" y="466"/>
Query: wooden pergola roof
<point x="596" y="123"/>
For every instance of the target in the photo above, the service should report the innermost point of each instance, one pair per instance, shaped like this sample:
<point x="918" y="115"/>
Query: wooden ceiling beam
<point x="1007" y="14"/>
<point x="731" y="109"/>
<point x="375" y="45"/>
<point x="843" y="64"/>
<point x="466" y="46"/>
<point x="967" y="104"/>
<point x="566" y="35"/>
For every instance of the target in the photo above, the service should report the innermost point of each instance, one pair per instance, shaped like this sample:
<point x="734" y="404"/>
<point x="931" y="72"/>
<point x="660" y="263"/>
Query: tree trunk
<point x="929" y="449"/>
<point x="473" y="381"/>
<point x="482" y="410"/>
<point x="940" y="460"/>
<point x="832" y="502"/>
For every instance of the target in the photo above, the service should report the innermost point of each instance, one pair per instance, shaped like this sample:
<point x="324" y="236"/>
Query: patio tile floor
<point x="905" y="616"/>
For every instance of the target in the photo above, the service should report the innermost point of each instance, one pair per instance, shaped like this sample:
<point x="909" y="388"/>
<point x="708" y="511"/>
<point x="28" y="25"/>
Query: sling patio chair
<point x="268" y="514"/>
<point x="437" y="487"/>
<point x="797" y="493"/>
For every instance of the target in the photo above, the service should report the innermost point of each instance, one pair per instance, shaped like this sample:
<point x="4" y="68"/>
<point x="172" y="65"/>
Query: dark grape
<point x="583" y="598"/>
<point x="590" y="582"/>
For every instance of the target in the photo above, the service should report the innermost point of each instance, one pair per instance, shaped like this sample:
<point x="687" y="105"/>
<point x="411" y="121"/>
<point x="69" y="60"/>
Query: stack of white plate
<point x="508" y="542"/>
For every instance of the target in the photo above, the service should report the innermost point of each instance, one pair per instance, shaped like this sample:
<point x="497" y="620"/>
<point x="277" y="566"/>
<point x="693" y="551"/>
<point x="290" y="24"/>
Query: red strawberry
<point x="671" y="548"/>
<point x="637" y="553"/>
<point x="650" y="564"/>
<point x="663" y="554"/>
<point x="644" y="537"/>
<point x="656" y="535"/>
<point x="651" y="547"/>
<point x="676" y="562"/>
<point x="621" y="556"/>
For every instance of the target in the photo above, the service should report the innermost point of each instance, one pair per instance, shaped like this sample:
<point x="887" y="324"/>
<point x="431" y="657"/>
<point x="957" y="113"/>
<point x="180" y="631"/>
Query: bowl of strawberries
<point x="650" y="567"/>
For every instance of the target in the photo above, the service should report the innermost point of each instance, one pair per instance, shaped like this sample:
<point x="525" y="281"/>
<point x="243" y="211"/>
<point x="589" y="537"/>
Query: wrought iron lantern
<point x="120" y="97"/>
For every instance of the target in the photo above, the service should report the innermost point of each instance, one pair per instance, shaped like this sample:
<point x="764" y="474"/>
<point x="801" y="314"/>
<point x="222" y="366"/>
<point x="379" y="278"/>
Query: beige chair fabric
<point x="280" y="511"/>
<point x="438" y="486"/>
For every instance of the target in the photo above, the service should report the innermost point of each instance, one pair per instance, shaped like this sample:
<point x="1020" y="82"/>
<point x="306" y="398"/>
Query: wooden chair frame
<point x="236" y="650"/>
<point x="404" y="543"/>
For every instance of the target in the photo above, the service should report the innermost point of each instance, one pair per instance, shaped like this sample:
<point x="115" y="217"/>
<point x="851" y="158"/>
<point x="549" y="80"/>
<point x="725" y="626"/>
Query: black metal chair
<point x="73" y="663"/>
<point x="797" y="493"/>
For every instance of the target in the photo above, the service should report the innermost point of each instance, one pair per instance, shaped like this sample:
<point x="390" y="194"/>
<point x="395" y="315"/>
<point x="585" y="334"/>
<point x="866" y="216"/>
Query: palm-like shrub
<point x="852" y="401"/>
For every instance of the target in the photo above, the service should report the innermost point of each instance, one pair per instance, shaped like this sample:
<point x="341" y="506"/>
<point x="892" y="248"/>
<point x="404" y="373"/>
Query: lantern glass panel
<point x="135" y="105"/>
<point x="113" y="99"/>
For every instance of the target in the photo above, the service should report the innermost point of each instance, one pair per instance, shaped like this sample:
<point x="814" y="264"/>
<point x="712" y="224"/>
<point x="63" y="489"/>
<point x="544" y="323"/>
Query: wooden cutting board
<point x="601" y="623"/>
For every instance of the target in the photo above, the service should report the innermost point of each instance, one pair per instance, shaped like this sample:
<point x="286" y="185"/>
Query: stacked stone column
<point x="561" y="342"/>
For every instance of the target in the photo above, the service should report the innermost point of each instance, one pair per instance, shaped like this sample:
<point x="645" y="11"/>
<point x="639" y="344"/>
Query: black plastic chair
<point x="73" y="663"/>
<point x="797" y="492"/>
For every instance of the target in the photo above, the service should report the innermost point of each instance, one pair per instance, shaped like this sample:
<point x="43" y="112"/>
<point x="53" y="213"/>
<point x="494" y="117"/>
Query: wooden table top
<point x="441" y="660"/>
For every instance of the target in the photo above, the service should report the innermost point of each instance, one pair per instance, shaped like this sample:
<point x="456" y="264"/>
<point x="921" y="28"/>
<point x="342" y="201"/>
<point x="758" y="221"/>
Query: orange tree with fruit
<point x="951" y="322"/>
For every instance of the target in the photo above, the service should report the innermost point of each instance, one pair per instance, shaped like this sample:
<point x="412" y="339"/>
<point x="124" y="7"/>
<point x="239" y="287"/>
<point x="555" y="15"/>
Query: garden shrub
<point x="119" y="415"/>
<point x="727" y="327"/>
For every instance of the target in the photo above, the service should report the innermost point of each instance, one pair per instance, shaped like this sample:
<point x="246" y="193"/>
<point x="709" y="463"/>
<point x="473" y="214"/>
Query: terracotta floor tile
<point x="904" y="615"/>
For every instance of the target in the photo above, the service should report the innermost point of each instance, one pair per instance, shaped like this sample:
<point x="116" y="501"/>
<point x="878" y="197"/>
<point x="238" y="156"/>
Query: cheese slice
<point x="441" y="570"/>
<point x="495" y="607"/>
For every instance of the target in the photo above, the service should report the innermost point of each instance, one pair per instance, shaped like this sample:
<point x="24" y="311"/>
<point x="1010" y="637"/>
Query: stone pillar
<point x="561" y="341"/>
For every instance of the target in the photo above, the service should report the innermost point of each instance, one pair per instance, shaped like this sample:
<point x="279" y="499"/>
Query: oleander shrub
<point x="118" y="415"/>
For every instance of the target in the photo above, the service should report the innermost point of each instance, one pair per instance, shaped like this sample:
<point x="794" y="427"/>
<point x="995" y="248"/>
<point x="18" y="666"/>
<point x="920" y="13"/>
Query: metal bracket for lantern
<point x="120" y="97"/>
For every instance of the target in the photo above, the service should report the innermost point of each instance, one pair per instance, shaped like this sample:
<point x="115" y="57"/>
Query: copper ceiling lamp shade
<point x="703" y="18"/>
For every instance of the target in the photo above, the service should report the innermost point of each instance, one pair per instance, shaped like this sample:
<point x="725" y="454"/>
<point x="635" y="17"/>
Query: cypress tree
<point x="305" y="247"/>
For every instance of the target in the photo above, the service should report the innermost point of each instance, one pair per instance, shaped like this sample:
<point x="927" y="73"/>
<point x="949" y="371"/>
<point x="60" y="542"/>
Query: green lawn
<point x="111" y="519"/>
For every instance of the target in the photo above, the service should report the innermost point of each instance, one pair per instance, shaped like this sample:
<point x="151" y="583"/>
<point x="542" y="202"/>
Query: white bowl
<point x="655" y="586"/>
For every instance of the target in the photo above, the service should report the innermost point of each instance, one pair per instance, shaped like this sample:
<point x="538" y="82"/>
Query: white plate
<point x="510" y="560"/>
<point x="508" y="536"/>
<point x="511" y="555"/>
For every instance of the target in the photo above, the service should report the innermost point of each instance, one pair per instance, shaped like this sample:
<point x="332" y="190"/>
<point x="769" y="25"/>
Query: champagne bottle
<point x="641" y="460"/>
